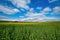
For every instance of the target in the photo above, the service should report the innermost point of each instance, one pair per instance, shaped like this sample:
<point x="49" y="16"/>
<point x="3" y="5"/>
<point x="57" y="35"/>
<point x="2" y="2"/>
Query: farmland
<point x="30" y="31"/>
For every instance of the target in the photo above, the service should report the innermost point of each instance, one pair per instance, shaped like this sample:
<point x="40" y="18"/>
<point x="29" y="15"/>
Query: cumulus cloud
<point x="42" y="12"/>
<point x="32" y="13"/>
<point x="8" y="10"/>
<point x="3" y="17"/>
<point x="31" y="19"/>
<point x="39" y="17"/>
<point x="46" y="10"/>
<point x="33" y="16"/>
<point x="56" y="10"/>
<point x="8" y="20"/>
<point x="21" y="3"/>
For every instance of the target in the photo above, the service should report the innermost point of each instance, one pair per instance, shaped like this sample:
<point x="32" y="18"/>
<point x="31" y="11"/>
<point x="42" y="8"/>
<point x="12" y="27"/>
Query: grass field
<point x="30" y="31"/>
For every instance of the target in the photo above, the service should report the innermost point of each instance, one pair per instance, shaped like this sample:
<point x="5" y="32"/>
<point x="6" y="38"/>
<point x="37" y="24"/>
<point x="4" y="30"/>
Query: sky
<point x="30" y="10"/>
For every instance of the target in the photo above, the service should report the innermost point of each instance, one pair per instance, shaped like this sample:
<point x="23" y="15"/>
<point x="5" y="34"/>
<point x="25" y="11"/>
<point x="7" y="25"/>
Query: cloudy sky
<point x="30" y="10"/>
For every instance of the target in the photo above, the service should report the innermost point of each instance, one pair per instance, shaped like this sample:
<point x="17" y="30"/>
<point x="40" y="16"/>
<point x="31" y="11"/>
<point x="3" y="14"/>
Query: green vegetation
<point x="30" y="31"/>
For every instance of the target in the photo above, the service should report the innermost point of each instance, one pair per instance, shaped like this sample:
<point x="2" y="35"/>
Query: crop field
<point x="30" y="31"/>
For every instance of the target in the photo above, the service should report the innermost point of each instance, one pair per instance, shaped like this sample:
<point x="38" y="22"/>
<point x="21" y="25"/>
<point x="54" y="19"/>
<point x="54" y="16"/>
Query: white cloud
<point x="8" y="20"/>
<point x="21" y="3"/>
<point x="32" y="14"/>
<point x="39" y="17"/>
<point x="46" y="10"/>
<point x="32" y="19"/>
<point x="56" y="10"/>
<point x="8" y="10"/>
<point x="31" y="9"/>
<point x="50" y="1"/>
<point x="35" y="17"/>
<point x="3" y="17"/>
<point x="42" y="12"/>
<point x="16" y="10"/>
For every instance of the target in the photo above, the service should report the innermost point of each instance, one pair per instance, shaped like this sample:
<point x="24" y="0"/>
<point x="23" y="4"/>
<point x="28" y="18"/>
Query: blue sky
<point x="30" y="10"/>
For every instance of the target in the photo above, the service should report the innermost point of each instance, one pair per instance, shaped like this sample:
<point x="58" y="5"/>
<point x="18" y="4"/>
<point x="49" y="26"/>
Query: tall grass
<point x="40" y="31"/>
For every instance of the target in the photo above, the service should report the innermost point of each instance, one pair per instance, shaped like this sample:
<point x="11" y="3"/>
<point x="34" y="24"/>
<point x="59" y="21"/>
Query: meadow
<point x="30" y="31"/>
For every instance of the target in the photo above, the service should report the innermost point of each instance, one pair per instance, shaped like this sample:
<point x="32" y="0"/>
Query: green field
<point x="30" y="31"/>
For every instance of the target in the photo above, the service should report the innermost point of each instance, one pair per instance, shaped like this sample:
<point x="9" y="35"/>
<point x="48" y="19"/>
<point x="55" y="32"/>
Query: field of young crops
<point x="30" y="31"/>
